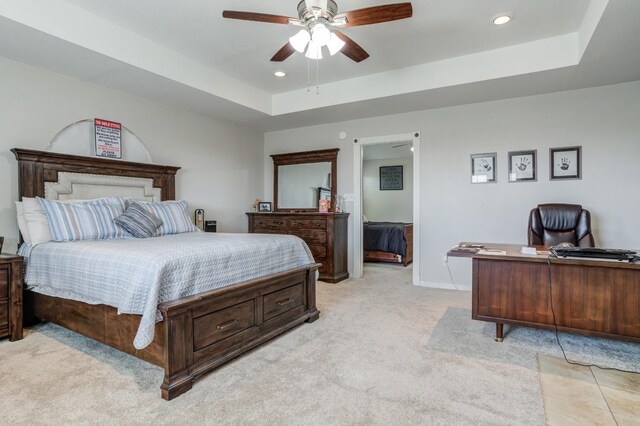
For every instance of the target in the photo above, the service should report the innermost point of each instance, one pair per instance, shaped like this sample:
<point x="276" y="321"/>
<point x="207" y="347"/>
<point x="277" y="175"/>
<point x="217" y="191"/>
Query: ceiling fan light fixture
<point x="314" y="51"/>
<point x="300" y="40"/>
<point x="335" y="44"/>
<point x="320" y="34"/>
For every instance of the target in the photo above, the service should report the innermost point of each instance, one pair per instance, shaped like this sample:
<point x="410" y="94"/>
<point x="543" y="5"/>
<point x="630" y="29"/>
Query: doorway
<point x="382" y="166"/>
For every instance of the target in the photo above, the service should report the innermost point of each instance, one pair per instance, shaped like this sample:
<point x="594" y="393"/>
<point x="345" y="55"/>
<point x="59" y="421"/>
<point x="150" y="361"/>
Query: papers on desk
<point x="492" y="252"/>
<point x="463" y="250"/>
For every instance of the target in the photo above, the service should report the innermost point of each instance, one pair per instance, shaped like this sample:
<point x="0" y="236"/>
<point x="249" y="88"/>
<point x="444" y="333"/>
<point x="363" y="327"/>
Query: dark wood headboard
<point x="37" y="167"/>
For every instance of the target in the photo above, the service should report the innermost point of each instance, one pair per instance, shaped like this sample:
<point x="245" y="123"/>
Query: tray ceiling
<point x="186" y="54"/>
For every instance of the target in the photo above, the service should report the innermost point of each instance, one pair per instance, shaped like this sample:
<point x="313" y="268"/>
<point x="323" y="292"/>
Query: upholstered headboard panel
<point x="62" y="176"/>
<point x="80" y="186"/>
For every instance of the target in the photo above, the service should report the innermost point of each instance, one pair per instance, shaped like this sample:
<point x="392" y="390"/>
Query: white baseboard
<point x="447" y="286"/>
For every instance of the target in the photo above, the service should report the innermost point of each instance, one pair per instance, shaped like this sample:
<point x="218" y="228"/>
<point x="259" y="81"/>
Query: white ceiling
<point x="438" y="30"/>
<point x="449" y="53"/>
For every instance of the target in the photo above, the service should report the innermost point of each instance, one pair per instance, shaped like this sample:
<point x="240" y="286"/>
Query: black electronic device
<point x="210" y="226"/>
<point x="595" y="253"/>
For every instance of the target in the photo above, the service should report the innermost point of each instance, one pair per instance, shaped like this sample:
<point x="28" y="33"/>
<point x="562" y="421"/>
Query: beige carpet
<point x="365" y="361"/>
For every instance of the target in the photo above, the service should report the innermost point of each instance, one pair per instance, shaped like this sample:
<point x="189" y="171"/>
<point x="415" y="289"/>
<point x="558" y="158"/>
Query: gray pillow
<point x="139" y="222"/>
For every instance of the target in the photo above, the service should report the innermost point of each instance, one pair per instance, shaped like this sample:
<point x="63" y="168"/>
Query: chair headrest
<point x="559" y="217"/>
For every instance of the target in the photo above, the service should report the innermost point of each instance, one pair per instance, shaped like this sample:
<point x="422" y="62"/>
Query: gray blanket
<point x="135" y="275"/>
<point x="385" y="236"/>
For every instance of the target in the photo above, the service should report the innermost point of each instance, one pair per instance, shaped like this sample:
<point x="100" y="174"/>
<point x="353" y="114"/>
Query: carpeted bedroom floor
<point x="382" y="352"/>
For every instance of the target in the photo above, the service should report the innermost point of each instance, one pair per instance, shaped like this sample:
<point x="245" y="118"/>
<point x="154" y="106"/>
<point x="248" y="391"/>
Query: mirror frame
<point x="319" y="156"/>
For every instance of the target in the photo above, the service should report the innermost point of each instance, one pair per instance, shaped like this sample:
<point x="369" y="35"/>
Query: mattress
<point x="135" y="275"/>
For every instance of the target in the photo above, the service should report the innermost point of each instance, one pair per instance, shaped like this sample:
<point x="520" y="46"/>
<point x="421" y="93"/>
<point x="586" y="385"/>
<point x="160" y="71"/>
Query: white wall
<point x="604" y="120"/>
<point x="387" y="206"/>
<point x="221" y="163"/>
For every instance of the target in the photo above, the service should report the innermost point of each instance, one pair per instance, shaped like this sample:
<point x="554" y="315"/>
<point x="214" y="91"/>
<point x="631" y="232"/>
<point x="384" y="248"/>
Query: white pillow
<point x="36" y="221"/>
<point x="22" y="223"/>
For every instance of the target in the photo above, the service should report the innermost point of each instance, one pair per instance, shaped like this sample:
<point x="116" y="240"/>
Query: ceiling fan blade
<point x="282" y="54"/>
<point x="374" y="15"/>
<point x="351" y="49"/>
<point x="398" y="146"/>
<point x="257" y="17"/>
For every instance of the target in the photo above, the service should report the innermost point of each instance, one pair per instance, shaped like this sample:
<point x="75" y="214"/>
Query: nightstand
<point x="11" y="297"/>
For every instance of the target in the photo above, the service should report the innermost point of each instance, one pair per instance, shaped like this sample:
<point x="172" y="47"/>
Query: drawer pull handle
<point x="285" y="302"/>
<point x="227" y="324"/>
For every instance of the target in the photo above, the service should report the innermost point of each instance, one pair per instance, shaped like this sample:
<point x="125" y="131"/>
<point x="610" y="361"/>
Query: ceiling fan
<point x="319" y="19"/>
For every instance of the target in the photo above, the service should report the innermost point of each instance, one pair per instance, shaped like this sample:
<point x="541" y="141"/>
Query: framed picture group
<point x="564" y="163"/>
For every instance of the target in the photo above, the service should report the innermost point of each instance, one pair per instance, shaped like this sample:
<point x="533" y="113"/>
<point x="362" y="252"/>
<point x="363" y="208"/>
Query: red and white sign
<point x="108" y="138"/>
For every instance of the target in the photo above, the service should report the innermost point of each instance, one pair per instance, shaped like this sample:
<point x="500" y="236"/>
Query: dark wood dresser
<point x="11" y="297"/>
<point x="326" y="234"/>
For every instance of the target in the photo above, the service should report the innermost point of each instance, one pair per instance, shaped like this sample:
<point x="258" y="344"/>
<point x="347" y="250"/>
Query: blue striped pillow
<point x="173" y="214"/>
<point x="85" y="220"/>
<point x="139" y="222"/>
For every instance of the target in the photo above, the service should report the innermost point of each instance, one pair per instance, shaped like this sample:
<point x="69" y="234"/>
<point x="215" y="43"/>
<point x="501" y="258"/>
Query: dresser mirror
<point x="300" y="179"/>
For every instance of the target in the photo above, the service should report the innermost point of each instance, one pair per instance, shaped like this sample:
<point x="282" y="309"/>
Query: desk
<point x="590" y="297"/>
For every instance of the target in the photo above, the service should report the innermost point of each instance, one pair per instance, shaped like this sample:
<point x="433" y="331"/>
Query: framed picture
<point x="323" y="206"/>
<point x="523" y="166"/>
<point x="264" y="206"/>
<point x="391" y="178"/>
<point x="483" y="168"/>
<point x="108" y="138"/>
<point x="565" y="163"/>
<point x="324" y="193"/>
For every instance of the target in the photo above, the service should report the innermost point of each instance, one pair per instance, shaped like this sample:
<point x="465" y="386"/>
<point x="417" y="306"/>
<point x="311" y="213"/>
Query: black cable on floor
<point x="555" y="325"/>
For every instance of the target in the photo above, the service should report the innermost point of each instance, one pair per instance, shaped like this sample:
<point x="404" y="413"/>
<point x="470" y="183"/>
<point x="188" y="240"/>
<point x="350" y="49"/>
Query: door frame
<point x="358" y="146"/>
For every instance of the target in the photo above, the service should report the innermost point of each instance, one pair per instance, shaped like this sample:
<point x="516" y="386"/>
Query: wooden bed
<point x="198" y="333"/>
<point x="383" y="256"/>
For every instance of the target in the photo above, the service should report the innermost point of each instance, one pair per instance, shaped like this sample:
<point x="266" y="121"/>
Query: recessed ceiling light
<point x="501" y="20"/>
<point x="279" y="73"/>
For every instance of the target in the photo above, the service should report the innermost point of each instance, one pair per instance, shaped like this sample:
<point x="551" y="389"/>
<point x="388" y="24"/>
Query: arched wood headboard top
<point x="35" y="168"/>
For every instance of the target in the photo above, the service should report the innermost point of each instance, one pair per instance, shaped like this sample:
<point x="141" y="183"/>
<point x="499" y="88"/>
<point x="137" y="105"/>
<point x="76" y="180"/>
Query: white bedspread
<point x="135" y="275"/>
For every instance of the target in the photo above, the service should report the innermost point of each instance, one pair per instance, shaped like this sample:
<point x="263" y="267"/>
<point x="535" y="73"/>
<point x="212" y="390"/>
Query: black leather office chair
<point x="552" y="224"/>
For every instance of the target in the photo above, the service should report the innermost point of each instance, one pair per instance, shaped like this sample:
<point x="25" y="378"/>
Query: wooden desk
<point x="590" y="297"/>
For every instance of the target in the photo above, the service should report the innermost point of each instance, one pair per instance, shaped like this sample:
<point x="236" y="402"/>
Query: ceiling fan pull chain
<point x="317" y="77"/>
<point x="308" y="75"/>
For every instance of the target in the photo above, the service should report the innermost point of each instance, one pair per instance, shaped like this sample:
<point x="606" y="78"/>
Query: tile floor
<point x="576" y="395"/>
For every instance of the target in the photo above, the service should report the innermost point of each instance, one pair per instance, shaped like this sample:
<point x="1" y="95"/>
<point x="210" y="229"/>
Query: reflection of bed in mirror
<point x="388" y="242"/>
